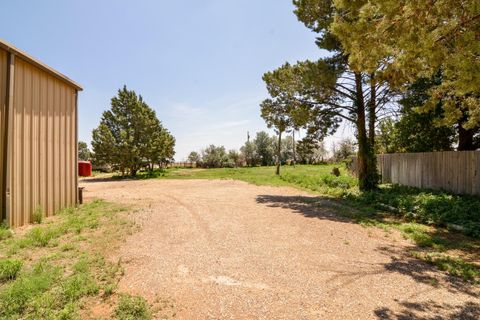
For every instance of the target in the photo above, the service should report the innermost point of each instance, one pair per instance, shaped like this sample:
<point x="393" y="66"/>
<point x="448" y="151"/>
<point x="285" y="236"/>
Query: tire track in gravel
<point x="194" y="214"/>
<point x="225" y="249"/>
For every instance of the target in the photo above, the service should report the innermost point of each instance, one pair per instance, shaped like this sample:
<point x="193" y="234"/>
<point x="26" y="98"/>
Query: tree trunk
<point x="133" y="172"/>
<point x="372" y="116"/>
<point x="366" y="159"/>
<point x="465" y="138"/>
<point x="279" y="151"/>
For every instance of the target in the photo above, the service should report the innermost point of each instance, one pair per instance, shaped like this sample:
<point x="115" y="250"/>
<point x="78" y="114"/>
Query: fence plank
<point x="454" y="171"/>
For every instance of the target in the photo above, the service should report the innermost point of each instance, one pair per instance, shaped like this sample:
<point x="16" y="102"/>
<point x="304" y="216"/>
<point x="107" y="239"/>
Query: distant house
<point x="38" y="134"/>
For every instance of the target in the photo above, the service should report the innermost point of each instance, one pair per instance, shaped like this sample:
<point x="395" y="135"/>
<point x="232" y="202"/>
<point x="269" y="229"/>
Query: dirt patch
<point x="221" y="249"/>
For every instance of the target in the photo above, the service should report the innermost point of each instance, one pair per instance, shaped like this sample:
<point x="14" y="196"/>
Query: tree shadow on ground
<point x="111" y="179"/>
<point x="431" y="310"/>
<point x="311" y="207"/>
<point x="402" y="261"/>
<point x="96" y="180"/>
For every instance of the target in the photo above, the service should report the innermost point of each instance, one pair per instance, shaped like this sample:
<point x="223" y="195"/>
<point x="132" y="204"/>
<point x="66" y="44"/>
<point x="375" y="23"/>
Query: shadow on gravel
<point x="422" y="272"/>
<point x="400" y="261"/>
<point x="95" y="180"/>
<point x="431" y="311"/>
<point x="310" y="207"/>
<point x="109" y="179"/>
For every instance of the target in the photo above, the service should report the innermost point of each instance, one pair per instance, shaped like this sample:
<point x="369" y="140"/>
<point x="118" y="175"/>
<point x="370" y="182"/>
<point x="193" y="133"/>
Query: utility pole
<point x="294" y="148"/>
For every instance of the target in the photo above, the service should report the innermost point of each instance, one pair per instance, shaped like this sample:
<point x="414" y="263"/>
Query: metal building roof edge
<point x="12" y="49"/>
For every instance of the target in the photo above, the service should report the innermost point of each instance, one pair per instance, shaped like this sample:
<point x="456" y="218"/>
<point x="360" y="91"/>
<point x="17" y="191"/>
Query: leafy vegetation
<point x="4" y="232"/>
<point x="276" y="114"/>
<point x="261" y="151"/>
<point x="454" y="266"/>
<point x="37" y="215"/>
<point x="413" y="46"/>
<point x="132" y="308"/>
<point x="433" y="61"/>
<point x="414" y="131"/>
<point x="130" y="136"/>
<point x="428" y="206"/>
<point x="84" y="154"/>
<point x="51" y="271"/>
<point x="9" y="269"/>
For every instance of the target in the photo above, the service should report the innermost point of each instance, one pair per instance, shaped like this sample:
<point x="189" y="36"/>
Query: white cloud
<point x="231" y="124"/>
<point x="184" y="110"/>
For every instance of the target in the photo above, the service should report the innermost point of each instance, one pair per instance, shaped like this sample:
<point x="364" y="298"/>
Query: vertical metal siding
<point x="43" y="158"/>
<point x="3" y="100"/>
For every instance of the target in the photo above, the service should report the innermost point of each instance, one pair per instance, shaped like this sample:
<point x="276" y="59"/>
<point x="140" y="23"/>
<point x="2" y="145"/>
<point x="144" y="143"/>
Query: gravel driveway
<point x="221" y="249"/>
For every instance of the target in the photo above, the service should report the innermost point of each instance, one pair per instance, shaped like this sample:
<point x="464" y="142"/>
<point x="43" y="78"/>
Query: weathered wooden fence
<point x="454" y="171"/>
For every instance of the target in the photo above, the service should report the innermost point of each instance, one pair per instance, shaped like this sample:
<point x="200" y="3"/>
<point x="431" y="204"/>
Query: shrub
<point x="79" y="285"/>
<point x="9" y="269"/>
<point x="5" y="233"/>
<point x="40" y="237"/>
<point x="132" y="308"/>
<point x="37" y="216"/>
<point x="429" y="206"/>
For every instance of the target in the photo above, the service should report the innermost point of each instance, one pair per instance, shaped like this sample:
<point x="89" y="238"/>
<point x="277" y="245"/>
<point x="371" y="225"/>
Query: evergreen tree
<point x="415" y="39"/>
<point x="328" y="91"/>
<point x="421" y="131"/>
<point x="130" y="135"/>
<point x="84" y="153"/>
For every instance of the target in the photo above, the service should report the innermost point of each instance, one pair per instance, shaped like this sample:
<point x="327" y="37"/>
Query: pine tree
<point x="130" y="136"/>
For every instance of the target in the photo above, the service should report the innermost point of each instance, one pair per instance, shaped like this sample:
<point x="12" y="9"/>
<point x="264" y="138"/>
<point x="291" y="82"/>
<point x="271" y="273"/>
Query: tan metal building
<point x="38" y="137"/>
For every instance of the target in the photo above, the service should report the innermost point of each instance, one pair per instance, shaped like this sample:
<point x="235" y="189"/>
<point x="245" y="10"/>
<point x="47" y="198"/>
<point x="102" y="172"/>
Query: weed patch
<point x="9" y="269"/>
<point x="5" y="232"/>
<point x="132" y="308"/>
<point x="454" y="266"/>
<point x="37" y="216"/>
<point x="428" y="206"/>
<point x="46" y="273"/>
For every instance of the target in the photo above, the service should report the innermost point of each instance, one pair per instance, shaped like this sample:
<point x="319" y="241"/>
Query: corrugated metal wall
<point x="3" y="98"/>
<point x="42" y="155"/>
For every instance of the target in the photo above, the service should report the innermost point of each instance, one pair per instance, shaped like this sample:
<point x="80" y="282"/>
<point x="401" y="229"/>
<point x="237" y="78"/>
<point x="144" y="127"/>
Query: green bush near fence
<point x="428" y="206"/>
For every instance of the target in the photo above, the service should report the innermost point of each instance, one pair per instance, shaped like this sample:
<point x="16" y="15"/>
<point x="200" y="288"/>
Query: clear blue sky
<point x="199" y="64"/>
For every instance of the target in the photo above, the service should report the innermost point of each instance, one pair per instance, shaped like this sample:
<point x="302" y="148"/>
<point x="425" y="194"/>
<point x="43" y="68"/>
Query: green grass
<point x="314" y="178"/>
<point x="132" y="308"/>
<point x="48" y="273"/>
<point x="4" y="232"/>
<point x="37" y="215"/>
<point x="9" y="269"/>
<point x="428" y="206"/>
<point x="455" y="266"/>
